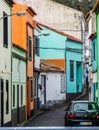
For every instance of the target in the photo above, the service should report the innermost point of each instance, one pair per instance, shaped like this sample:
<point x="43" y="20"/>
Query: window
<point x="94" y="51"/>
<point x="35" y="86"/>
<point x="30" y="48"/>
<point x="31" y="85"/>
<point x="62" y="83"/>
<point x="13" y="95"/>
<point x="7" y="101"/>
<point x="43" y="83"/>
<point x="71" y="70"/>
<point x="5" y="30"/>
<point x="75" y="15"/>
<point x="36" y="45"/>
<point x="21" y="94"/>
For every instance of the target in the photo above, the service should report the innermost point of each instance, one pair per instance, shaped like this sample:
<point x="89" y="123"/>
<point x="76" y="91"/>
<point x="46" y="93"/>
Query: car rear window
<point x="86" y="106"/>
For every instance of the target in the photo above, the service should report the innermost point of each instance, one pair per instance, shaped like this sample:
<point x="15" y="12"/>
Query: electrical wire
<point x="67" y="48"/>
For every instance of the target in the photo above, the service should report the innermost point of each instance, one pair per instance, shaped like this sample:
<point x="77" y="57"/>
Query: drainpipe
<point x="65" y="56"/>
<point x="97" y="27"/>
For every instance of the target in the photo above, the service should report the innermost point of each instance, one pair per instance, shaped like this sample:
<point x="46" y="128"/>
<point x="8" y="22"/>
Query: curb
<point x="28" y="120"/>
<point x="42" y="111"/>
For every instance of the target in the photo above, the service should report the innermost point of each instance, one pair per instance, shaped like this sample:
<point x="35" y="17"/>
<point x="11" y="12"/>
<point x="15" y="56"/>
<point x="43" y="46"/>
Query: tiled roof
<point x="91" y="35"/>
<point x="70" y="37"/>
<point x="87" y="15"/>
<point x="96" y="6"/>
<point x="10" y="2"/>
<point x="31" y="10"/>
<point x="47" y="67"/>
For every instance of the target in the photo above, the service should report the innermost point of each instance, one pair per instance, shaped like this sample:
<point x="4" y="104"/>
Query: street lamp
<point x="44" y="34"/>
<point x="17" y="13"/>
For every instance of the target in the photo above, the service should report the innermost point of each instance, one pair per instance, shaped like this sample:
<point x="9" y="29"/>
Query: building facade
<point x="53" y="10"/>
<point x="37" y="31"/>
<point x="5" y="65"/>
<point x="64" y="51"/>
<point x="95" y="46"/>
<point x="52" y="90"/>
<point x="23" y="59"/>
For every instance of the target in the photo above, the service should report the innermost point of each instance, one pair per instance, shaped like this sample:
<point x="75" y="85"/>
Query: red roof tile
<point x="91" y="35"/>
<point x="47" y="67"/>
<point x="96" y="6"/>
<point x="70" y="37"/>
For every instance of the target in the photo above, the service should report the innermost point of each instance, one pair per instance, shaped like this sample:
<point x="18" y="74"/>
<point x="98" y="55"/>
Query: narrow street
<point x="51" y="118"/>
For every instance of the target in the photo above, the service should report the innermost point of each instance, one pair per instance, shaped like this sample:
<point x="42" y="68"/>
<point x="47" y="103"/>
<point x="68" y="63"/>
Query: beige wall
<point x="56" y="15"/>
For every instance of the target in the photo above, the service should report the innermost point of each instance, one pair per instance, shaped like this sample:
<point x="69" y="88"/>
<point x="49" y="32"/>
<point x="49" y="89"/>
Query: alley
<point x="51" y="118"/>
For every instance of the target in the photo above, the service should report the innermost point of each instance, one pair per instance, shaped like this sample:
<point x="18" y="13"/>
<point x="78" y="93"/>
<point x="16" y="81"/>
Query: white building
<point x="37" y="30"/>
<point x="91" y="22"/>
<point x="18" y="85"/>
<point x="5" y="62"/>
<point x="52" y="84"/>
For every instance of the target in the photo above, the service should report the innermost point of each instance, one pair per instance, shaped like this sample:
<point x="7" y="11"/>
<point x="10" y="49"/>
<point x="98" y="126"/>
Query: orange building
<point x="22" y="38"/>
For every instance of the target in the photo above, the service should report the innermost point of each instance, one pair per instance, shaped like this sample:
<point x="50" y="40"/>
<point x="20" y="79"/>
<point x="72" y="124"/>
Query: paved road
<point x="51" y="118"/>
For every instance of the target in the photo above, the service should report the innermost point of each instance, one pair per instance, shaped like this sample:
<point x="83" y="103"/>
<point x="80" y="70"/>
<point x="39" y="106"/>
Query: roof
<point x="88" y="15"/>
<point x="29" y="9"/>
<point x="83" y="101"/>
<point x="60" y="63"/>
<point x="70" y="37"/>
<point x="91" y="35"/>
<point x="96" y="6"/>
<point x="10" y="2"/>
<point x="47" y="67"/>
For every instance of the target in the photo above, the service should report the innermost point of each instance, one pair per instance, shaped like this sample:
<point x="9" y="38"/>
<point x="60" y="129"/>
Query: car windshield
<point x="86" y="106"/>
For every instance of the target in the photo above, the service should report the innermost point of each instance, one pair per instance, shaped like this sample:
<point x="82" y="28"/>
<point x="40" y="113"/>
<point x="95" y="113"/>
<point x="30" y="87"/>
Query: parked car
<point x="82" y="113"/>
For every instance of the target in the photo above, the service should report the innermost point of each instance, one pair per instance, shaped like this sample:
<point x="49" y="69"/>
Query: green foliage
<point x="83" y="6"/>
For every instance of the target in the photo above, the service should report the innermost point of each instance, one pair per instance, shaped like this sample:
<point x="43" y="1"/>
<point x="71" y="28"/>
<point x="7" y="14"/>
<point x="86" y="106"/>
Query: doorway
<point x="43" y="84"/>
<point x="78" y="77"/>
<point x="1" y="101"/>
<point x="18" y="104"/>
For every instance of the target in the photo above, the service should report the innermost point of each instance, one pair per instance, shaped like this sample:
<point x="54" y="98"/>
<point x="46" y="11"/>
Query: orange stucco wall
<point x="22" y="27"/>
<point x="19" y="26"/>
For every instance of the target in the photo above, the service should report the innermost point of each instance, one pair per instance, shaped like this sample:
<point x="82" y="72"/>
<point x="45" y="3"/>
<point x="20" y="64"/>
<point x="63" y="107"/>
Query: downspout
<point x="83" y="52"/>
<point x="65" y="56"/>
<point x="26" y="71"/>
<point x="97" y="32"/>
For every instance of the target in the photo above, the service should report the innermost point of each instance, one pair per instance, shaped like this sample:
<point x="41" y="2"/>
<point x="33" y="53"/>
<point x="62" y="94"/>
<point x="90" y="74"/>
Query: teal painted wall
<point x="71" y="85"/>
<point x="97" y="32"/>
<point x="94" y="90"/>
<point x="79" y="77"/>
<point x="94" y="54"/>
<point x="55" y="40"/>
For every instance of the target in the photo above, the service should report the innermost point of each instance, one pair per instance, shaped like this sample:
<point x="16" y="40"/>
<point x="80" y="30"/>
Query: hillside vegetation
<point x="81" y="5"/>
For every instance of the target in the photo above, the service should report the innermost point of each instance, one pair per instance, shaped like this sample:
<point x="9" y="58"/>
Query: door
<point x="1" y="101"/>
<point x="43" y="84"/>
<point x="78" y="77"/>
<point x="94" y="91"/>
<point x="17" y="104"/>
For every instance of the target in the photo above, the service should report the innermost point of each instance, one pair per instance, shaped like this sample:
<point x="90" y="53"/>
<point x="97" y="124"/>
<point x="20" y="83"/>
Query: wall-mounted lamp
<point x="44" y="34"/>
<point x="17" y="13"/>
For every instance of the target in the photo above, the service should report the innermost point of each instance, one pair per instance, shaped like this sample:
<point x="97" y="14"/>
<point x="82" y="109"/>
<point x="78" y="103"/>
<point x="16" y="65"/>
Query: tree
<point x="81" y="5"/>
